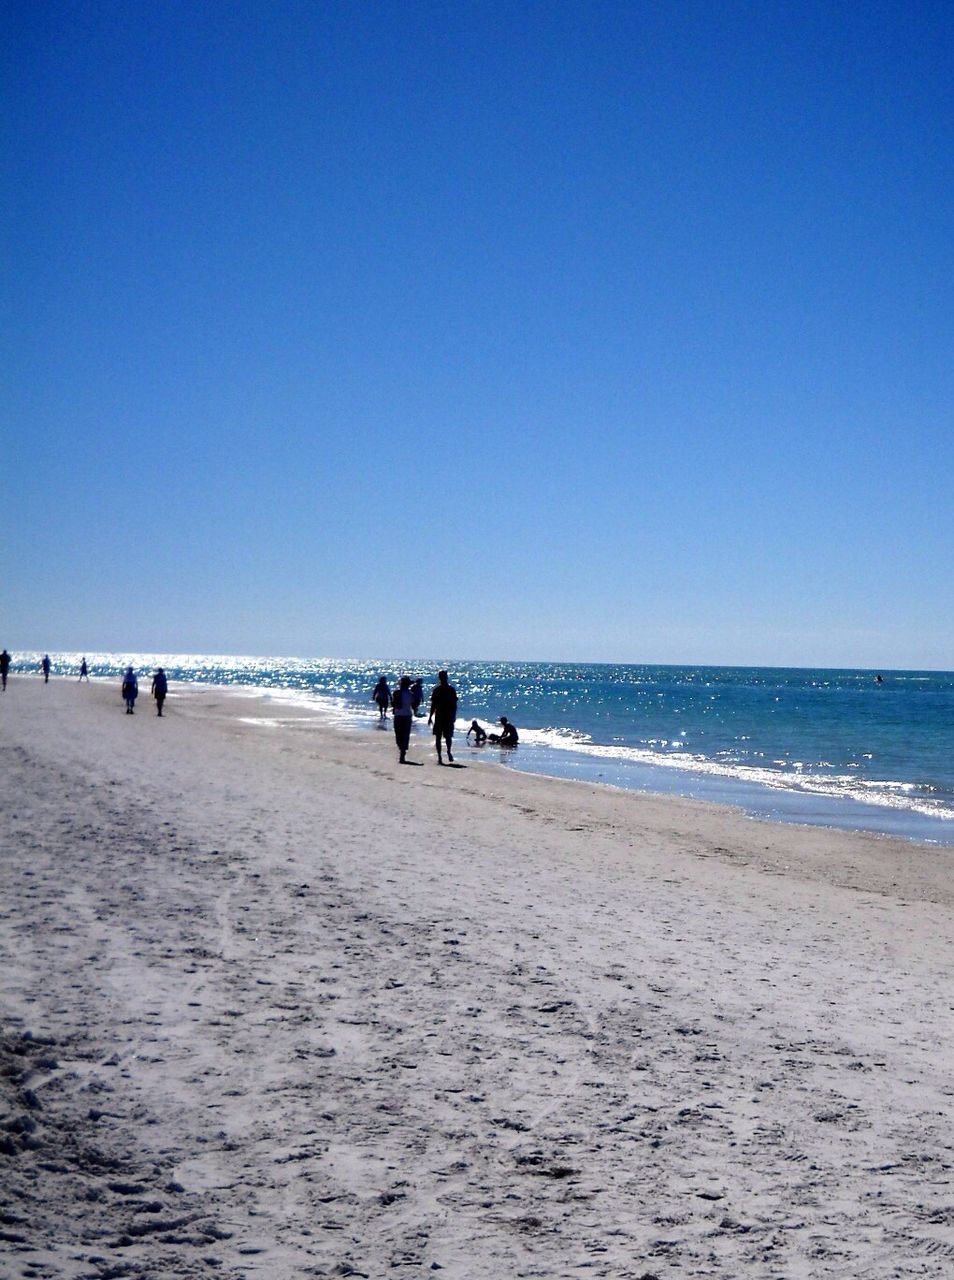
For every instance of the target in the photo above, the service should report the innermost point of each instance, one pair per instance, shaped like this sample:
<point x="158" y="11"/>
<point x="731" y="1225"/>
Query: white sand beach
<point x="273" y="1006"/>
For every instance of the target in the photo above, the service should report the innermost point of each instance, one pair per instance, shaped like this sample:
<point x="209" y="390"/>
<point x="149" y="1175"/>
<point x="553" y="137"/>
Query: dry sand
<point x="274" y="1007"/>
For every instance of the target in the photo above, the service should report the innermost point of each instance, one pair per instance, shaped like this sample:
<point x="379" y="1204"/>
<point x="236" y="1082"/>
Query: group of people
<point x="405" y="702"/>
<point x="130" y="685"/>
<point x="507" y="737"/>
<point x="45" y="667"/>
<point x="130" y="690"/>
<point x="383" y="696"/>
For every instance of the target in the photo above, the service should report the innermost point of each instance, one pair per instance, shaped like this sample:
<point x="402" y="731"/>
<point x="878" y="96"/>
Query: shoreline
<point x="756" y="801"/>
<point x="761" y="800"/>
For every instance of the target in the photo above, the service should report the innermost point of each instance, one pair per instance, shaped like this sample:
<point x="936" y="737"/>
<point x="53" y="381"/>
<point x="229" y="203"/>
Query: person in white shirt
<point x="402" y="713"/>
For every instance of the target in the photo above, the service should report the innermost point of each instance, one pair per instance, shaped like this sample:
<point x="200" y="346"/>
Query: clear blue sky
<point x="552" y="330"/>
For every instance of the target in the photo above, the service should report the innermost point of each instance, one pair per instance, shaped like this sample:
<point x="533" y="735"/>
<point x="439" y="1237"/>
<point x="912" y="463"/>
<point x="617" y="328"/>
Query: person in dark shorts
<point x="5" y="661"/>
<point x="402" y="708"/>
<point x="443" y="714"/>
<point x="160" y="687"/>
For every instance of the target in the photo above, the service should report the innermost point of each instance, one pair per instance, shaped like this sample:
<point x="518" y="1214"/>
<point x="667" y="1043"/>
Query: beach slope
<point x="273" y="1006"/>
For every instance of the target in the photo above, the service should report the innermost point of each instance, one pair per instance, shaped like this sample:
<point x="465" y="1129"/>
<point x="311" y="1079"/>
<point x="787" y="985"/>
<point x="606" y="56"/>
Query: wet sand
<point x="273" y="1006"/>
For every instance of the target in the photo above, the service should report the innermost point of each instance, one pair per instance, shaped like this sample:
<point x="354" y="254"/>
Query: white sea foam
<point x="643" y="719"/>
<point x="787" y="776"/>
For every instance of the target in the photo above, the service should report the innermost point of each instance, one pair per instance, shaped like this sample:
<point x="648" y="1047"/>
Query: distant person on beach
<point x="480" y="735"/>
<point x="84" y="671"/>
<point x="160" y="687"/>
<point x="443" y="714"/>
<point x="45" y="668"/>
<point x="508" y="736"/>
<point x="382" y="696"/>
<point x="5" y="661"/>
<point x="130" y="690"/>
<point x="402" y="704"/>
<point x="417" y="695"/>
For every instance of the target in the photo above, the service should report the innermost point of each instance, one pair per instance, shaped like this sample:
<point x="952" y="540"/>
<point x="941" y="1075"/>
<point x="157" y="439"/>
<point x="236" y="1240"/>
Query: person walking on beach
<point x="382" y="696"/>
<point x="5" y="661"/>
<point x="84" y="671"/>
<point x="160" y="687"/>
<point x="443" y="714"/>
<point x="130" y="690"/>
<point x="45" y="668"/>
<point x="402" y="705"/>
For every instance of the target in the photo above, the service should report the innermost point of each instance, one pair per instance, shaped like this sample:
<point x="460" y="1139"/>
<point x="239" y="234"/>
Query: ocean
<point x="830" y="747"/>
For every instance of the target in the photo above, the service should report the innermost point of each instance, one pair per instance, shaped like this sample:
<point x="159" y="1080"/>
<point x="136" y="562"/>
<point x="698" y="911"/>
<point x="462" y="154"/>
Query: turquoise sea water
<point x="829" y="747"/>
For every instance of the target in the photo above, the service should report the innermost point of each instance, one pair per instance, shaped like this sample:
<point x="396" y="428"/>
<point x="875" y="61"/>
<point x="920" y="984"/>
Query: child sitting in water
<point x="480" y="737"/>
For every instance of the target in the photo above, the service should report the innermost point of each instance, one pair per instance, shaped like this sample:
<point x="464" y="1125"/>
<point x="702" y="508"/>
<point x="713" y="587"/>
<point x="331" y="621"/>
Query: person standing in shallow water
<point x="443" y="714"/>
<point x="130" y="690"/>
<point x="84" y="671"/>
<point x="45" y="668"/>
<point x="382" y="696"/>
<point x="402" y="705"/>
<point x="5" y="661"/>
<point x="417" y="694"/>
<point x="160" y="687"/>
